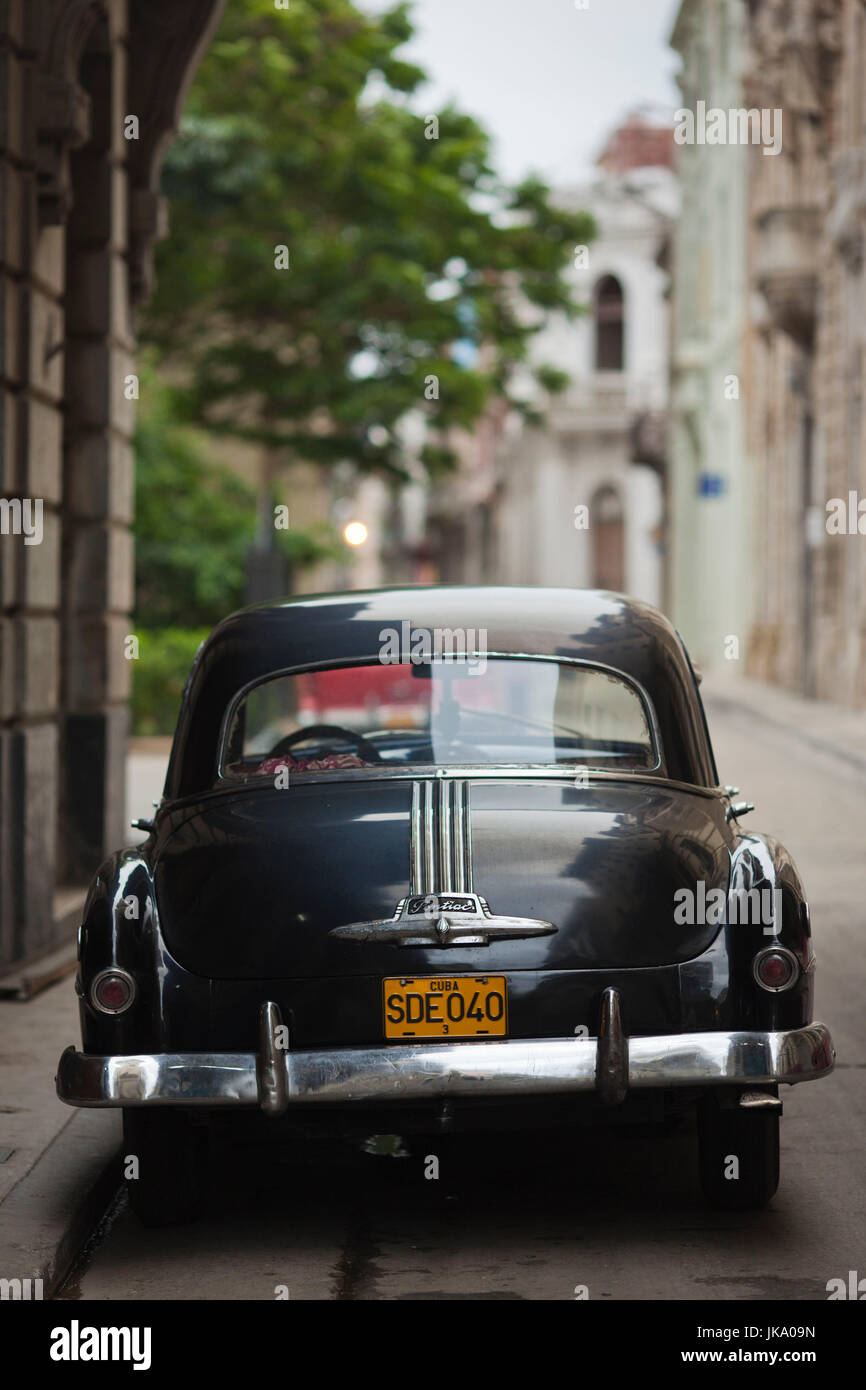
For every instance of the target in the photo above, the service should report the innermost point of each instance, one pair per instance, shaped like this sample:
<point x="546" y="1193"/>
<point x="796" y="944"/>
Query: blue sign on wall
<point x="710" y="484"/>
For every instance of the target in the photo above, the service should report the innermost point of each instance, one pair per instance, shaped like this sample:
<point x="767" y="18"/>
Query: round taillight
<point x="112" y="991"/>
<point x="776" y="969"/>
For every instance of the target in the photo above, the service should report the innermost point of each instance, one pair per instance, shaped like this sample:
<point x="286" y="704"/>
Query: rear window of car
<point x="498" y="710"/>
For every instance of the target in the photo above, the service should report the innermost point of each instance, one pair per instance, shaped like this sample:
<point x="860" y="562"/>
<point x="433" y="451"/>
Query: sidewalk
<point x="32" y="1037"/>
<point x="57" y="1165"/>
<point x="835" y="730"/>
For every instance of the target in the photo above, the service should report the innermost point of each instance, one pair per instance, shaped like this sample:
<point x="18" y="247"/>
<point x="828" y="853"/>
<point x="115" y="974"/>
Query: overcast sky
<point x="547" y="79"/>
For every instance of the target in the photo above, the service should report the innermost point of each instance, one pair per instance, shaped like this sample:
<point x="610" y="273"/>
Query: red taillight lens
<point x="112" y="991"/>
<point x="776" y="969"/>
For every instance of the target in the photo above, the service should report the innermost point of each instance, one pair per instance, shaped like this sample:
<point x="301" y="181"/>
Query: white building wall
<point x="710" y="518"/>
<point x="586" y="444"/>
<point x="643" y="552"/>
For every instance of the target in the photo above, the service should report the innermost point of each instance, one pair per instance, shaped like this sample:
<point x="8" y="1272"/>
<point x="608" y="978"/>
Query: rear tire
<point x="739" y="1155"/>
<point x="169" y="1187"/>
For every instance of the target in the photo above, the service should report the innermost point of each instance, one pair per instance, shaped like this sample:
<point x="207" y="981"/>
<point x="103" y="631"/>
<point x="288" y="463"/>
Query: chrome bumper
<point x="611" y="1065"/>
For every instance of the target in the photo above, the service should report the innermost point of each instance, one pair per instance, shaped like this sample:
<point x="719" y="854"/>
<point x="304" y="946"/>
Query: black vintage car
<point x="438" y="858"/>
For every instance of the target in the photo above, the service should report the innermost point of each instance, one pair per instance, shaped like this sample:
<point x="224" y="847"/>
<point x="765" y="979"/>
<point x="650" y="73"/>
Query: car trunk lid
<point x="265" y="883"/>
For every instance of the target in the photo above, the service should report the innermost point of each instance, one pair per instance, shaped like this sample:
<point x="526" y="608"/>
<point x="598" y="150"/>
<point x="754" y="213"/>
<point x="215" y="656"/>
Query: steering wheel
<point x="363" y="747"/>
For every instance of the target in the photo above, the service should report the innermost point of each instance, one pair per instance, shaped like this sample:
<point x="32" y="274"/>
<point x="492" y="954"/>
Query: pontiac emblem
<point x="456" y="919"/>
<point x="441" y="907"/>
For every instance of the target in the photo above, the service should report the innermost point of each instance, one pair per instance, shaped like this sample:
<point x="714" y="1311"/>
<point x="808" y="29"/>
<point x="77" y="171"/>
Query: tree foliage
<point x="298" y="134"/>
<point x="195" y="521"/>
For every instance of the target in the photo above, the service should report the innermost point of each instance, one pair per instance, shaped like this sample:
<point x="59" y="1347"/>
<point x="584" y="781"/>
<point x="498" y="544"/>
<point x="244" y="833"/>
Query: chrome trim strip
<point x="424" y="772"/>
<point x="491" y="772"/>
<point x="458" y="871"/>
<point x="417" y="883"/>
<point x="462" y="839"/>
<point x="424" y="1071"/>
<point x="467" y="824"/>
<point x="428" y="839"/>
<point x="444" y="882"/>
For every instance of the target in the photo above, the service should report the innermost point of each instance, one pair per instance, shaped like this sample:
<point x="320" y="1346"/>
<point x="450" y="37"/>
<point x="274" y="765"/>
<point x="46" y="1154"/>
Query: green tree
<point x="194" y="524"/>
<point x="406" y="254"/>
<point x="194" y="521"/>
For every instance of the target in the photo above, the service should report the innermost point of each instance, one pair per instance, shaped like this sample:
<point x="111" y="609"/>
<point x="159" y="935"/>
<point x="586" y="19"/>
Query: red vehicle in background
<point x="360" y="695"/>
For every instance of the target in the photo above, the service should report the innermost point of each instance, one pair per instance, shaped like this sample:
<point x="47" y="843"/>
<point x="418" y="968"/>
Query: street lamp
<point x="355" y="533"/>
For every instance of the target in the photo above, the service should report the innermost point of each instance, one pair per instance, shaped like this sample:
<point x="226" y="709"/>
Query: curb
<point x="48" y="1216"/>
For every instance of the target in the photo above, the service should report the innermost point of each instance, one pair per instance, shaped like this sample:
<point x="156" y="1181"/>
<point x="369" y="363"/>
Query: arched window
<point x="608" y="540"/>
<point x="609" y="325"/>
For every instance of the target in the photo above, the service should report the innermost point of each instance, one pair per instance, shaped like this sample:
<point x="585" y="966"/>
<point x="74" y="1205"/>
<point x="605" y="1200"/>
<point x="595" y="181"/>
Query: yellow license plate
<point x="446" y="1006"/>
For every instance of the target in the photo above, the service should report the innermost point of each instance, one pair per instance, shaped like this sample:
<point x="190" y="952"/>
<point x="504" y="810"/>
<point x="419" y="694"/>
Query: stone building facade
<point x="770" y="257"/>
<point x="808" y="347"/>
<point x="90" y="93"/>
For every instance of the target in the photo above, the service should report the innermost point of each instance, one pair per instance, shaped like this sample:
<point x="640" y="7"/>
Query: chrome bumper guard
<point x="611" y="1065"/>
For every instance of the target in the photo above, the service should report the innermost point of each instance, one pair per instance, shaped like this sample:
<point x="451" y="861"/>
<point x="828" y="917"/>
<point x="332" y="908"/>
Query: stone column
<point x="31" y="390"/>
<point x="97" y="468"/>
<point x="79" y="211"/>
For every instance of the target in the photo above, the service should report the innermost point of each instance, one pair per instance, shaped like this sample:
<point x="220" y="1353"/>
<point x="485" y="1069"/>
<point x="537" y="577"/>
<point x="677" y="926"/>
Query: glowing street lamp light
<point x="355" y="533"/>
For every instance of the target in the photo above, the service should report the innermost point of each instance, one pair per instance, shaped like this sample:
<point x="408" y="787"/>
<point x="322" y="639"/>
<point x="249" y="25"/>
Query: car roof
<point x="307" y="630"/>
